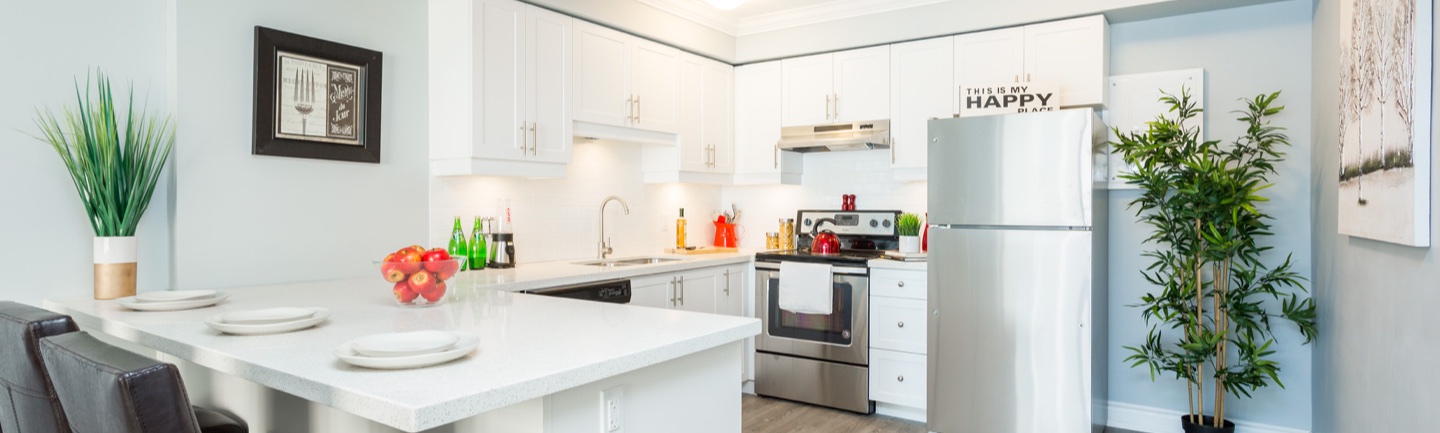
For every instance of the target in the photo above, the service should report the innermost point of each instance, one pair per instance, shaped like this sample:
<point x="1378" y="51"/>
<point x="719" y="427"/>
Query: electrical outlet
<point x="612" y="410"/>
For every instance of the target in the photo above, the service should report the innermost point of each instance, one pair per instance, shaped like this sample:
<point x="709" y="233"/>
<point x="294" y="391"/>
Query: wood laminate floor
<point x="768" y="415"/>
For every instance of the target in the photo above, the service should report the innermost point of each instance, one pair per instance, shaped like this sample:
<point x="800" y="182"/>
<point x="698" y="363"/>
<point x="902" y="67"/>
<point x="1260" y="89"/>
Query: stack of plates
<point x="268" y="320"/>
<point x="399" y="350"/>
<point x="172" y="300"/>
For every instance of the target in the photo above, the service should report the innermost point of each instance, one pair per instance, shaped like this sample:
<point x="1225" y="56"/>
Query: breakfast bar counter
<point x="532" y="349"/>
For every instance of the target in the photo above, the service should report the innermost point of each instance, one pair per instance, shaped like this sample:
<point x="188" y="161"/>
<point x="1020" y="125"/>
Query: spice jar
<point x="787" y="233"/>
<point x="772" y="240"/>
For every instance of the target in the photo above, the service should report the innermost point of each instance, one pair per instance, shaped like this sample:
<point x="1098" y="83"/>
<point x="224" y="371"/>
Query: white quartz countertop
<point x="530" y="346"/>
<point x="528" y="276"/>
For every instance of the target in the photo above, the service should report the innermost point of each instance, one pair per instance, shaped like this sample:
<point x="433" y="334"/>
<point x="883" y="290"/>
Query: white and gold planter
<point x="114" y="267"/>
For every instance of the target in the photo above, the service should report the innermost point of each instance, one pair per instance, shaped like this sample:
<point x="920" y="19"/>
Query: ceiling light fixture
<point x="725" y="4"/>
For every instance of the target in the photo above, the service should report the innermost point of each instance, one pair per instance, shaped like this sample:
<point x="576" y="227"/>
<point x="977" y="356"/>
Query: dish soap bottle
<point x="680" y="231"/>
<point x="457" y="246"/>
<point x="477" y="246"/>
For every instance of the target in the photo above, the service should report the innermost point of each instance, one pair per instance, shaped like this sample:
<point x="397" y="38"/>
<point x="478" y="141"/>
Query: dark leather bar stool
<point x="106" y="389"/>
<point x="27" y="400"/>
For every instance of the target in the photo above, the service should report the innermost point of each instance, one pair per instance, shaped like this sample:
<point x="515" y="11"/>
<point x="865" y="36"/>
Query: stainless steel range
<point x="822" y="358"/>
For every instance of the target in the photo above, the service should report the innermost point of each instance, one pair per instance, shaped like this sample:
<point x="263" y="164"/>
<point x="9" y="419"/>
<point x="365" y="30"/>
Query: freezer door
<point x="1009" y="342"/>
<point x="1031" y="169"/>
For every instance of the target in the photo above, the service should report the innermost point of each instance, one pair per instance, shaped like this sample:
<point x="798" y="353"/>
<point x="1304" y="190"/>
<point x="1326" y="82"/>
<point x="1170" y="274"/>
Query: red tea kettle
<point x="824" y="242"/>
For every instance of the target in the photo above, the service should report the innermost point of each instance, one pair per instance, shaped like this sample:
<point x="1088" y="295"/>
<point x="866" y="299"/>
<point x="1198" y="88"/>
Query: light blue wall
<point x="1244" y="51"/>
<point x="45" y="241"/>
<point x="1375" y="366"/>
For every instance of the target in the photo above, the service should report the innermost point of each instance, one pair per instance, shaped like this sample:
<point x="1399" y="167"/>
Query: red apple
<point x="403" y="293"/>
<point x="447" y="269"/>
<point x="392" y="271"/>
<point x="416" y="248"/>
<point x="422" y="281"/>
<point x="434" y="260"/>
<point x="435" y="294"/>
<point x="409" y="261"/>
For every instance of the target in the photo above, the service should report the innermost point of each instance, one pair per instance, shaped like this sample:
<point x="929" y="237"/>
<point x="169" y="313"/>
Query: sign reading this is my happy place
<point x="1008" y="98"/>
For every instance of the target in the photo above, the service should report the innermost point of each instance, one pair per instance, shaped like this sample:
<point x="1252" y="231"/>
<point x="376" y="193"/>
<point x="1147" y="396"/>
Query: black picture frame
<point x="335" y="84"/>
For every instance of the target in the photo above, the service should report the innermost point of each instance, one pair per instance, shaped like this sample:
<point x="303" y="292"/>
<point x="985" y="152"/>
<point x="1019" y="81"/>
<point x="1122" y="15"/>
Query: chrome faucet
<point x="605" y="249"/>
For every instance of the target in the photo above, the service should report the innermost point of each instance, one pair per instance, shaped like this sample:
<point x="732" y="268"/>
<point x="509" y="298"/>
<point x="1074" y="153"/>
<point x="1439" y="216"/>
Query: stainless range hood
<point x="873" y="134"/>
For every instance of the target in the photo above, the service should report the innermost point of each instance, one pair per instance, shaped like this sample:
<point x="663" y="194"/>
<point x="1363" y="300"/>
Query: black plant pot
<point x="1205" y="425"/>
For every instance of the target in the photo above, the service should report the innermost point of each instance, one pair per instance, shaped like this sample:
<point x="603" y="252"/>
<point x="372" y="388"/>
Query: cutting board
<point x="702" y="250"/>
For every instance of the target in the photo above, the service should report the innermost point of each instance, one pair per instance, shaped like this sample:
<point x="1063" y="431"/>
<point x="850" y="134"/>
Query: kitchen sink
<point x="630" y="261"/>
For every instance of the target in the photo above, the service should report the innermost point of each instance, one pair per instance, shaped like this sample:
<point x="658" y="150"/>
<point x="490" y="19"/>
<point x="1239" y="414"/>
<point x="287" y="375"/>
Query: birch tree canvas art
<point x="1384" y="125"/>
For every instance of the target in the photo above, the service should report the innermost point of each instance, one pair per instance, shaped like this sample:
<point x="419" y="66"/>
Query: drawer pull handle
<point x="901" y="284"/>
<point x="901" y="324"/>
<point x="900" y="378"/>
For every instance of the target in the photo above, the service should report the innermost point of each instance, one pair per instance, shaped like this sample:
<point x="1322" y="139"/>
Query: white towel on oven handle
<point x="806" y="288"/>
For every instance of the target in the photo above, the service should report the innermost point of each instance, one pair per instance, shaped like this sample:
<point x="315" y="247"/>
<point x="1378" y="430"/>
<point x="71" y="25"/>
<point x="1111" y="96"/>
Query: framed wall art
<point x="315" y="98"/>
<point x="1384" y="125"/>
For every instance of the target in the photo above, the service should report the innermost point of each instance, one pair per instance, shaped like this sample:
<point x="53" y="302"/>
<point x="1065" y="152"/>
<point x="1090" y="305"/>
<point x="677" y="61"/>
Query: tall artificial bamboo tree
<point x="1201" y="200"/>
<point x="114" y="166"/>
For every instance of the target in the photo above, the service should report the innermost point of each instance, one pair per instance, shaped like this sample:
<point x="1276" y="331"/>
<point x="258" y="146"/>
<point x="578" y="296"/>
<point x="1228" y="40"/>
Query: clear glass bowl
<point x="420" y="284"/>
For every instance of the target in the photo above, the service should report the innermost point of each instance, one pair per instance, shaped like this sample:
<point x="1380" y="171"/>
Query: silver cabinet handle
<point x="901" y="284"/>
<point x="837" y="107"/>
<point x="727" y="282"/>
<point x="637" y="108"/>
<point x="900" y="324"/>
<point x="682" y="291"/>
<point x="534" y="140"/>
<point x="630" y="108"/>
<point x="900" y="378"/>
<point x="775" y="157"/>
<point x="1027" y="76"/>
<point x="524" y="140"/>
<point x="1017" y="78"/>
<point x="672" y="292"/>
<point x="894" y="143"/>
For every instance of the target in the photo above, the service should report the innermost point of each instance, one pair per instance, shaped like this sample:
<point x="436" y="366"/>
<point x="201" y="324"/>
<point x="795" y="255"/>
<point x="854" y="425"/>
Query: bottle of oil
<point x="680" y="231"/>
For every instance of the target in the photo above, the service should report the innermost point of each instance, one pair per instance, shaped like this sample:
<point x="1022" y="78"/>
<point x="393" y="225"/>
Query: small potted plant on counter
<point x="1201" y="200"/>
<point x="909" y="227"/>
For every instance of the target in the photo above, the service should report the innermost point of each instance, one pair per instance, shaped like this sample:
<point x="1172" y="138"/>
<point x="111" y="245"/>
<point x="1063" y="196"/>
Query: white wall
<point x="827" y="176"/>
<point x="951" y="17"/>
<point x="1244" y="51"/>
<point x="45" y="240"/>
<point x="558" y="219"/>
<point x="1375" y="364"/>
<point x="245" y="219"/>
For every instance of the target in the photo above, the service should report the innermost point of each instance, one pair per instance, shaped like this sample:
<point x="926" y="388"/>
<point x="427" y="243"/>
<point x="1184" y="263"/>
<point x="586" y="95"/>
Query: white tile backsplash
<point x="558" y="219"/>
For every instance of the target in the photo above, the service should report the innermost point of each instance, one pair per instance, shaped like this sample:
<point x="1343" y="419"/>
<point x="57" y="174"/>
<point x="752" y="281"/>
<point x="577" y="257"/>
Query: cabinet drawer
<point x="897" y="324"/>
<point x="899" y="284"/>
<point x="897" y="378"/>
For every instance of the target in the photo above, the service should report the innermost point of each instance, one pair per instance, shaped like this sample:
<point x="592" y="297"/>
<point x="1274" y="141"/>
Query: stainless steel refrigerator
<point x="1017" y="268"/>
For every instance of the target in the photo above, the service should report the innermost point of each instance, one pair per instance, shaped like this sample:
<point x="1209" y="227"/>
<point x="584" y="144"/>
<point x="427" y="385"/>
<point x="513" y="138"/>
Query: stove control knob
<point x="887" y="224"/>
<point x="874" y="223"/>
<point x="807" y="222"/>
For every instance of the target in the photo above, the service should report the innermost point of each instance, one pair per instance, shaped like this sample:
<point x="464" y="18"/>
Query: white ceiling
<point x="759" y="16"/>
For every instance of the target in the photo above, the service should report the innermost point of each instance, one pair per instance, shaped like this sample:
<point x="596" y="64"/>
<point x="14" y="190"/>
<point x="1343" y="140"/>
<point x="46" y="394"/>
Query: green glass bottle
<point x="477" y="246"/>
<point x="457" y="241"/>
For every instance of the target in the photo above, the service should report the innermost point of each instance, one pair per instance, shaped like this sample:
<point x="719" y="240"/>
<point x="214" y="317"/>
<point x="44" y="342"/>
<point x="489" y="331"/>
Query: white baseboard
<point x="1146" y="419"/>
<point x="902" y="412"/>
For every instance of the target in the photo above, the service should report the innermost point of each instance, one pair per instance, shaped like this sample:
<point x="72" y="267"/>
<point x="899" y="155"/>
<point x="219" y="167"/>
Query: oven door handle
<point x="846" y="270"/>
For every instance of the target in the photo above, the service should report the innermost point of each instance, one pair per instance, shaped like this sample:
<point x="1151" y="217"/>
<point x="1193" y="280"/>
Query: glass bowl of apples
<point x="420" y="277"/>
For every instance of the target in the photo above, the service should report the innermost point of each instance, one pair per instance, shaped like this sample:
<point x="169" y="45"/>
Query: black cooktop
<point x="846" y="257"/>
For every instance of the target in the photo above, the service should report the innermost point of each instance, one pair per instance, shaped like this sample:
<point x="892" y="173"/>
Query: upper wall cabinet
<point x="624" y="81"/>
<point x="1071" y="54"/>
<point x="499" y="89"/>
<point x="757" y="128"/>
<point x="920" y="81"/>
<point x="845" y="86"/>
<point x="705" y="151"/>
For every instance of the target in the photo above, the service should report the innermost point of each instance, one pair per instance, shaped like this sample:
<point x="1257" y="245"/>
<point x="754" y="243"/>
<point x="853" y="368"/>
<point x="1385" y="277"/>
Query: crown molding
<point x="820" y="13"/>
<point x="702" y="13"/>
<point x="699" y="12"/>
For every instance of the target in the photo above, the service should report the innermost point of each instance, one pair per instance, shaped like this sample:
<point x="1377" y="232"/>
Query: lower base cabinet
<point x="717" y="290"/>
<point x="898" y="342"/>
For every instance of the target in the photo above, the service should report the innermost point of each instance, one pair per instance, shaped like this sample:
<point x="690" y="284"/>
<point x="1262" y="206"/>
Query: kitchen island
<point x="541" y="365"/>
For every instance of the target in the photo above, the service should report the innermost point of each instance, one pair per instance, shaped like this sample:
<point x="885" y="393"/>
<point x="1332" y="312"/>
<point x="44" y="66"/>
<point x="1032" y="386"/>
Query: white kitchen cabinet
<point x="718" y="290"/>
<point x="1071" y="54"/>
<point x="757" y="128"/>
<point x="499" y="71"/>
<point x="624" y="81"/>
<point x="898" y="333"/>
<point x="651" y="290"/>
<point x="921" y="76"/>
<point x="836" y="87"/>
<point x="704" y="153"/>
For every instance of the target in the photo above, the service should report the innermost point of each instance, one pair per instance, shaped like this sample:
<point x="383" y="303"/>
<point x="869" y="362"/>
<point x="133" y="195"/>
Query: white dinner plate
<point x="266" y="315"/>
<point x="465" y="343"/>
<point x="315" y="316"/>
<point x="400" y="344"/>
<point x="131" y="303"/>
<point x="174" y="295"/>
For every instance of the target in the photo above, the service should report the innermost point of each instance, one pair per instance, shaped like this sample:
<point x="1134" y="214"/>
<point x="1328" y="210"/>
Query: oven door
<point x="842" y="336"/>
